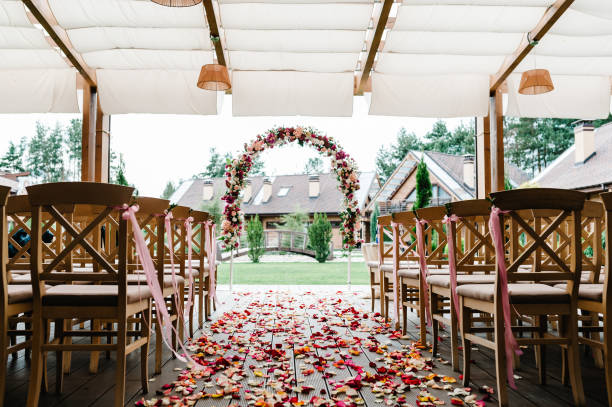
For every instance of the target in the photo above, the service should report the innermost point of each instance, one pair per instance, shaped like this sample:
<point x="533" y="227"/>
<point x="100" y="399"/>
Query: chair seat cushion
<point x="372" y="264"/>
<point x="92" y="295"/>
<point x="519" y="293"/>
<point x="142" y="279"/>
<point x="593" y="292"/>
<point x="415" y="272"/>
<point x="443" y="280"/>
<point x="18" y="293"/>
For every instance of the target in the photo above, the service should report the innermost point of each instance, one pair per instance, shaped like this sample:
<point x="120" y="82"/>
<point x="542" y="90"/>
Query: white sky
<point x="158" y="148"/>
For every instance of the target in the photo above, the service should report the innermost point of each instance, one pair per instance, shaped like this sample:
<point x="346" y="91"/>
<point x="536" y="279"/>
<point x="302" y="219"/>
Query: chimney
<point x="314" y="186"/>
<point x="469" y="173"/>
<point x="208" y="190"/>
<point x="248" y="192"/>
<point x="267" y="190"/>
<point x="584" y="141"/>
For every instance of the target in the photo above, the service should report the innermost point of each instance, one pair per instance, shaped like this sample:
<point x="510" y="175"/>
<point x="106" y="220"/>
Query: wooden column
<point x="496" y="125"/>
<point x="102" y="145"/>
<point x="483" y="157"/>
<point x="88" y="137"/>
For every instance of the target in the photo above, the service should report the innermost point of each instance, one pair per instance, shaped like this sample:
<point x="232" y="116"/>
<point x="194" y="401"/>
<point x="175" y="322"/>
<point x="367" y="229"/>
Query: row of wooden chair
<point x="550" y="246"/>
<point x="73" y="265"/>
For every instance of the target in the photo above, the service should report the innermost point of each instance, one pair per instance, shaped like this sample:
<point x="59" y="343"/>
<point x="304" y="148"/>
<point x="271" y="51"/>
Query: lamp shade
<point x="535" y="82"/>
<point x="214" y="77"/>
<point x="177" y="3"/>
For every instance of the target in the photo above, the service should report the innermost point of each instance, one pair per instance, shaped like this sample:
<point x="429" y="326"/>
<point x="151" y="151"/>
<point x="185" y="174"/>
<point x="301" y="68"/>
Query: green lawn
<point x="294" y="273"/>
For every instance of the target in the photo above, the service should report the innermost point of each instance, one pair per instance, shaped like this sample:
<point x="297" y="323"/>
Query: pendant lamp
<point x="214" y="77"/>
<point x="535" y="81"/>
<point x="177" y="3"/>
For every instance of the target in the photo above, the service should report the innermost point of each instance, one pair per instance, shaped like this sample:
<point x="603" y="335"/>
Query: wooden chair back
<point x="4" y="238"/>
<point x="178" y="238"/>
<point x="101" y="199"/>
<point x="606" y="198"/>
<point x="567" y="205"/>
<point x="385" y="233"/>
<point x="198" y="237"/>
<point x="435" y="235"/>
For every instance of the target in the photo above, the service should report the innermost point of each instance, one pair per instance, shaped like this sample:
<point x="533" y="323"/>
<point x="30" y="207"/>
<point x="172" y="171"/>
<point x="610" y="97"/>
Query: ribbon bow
<point x="211" y="251"/>
<point x="452" y="265"/>
<point x="189" y="231"/>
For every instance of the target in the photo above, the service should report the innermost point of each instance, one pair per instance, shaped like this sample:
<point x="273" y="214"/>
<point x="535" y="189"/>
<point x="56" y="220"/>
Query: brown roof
<point x="597" y="170"/>
<point x="330" y="199"/>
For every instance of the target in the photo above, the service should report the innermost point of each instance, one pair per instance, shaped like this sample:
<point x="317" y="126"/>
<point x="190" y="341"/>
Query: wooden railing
<point x="284" y="241"/>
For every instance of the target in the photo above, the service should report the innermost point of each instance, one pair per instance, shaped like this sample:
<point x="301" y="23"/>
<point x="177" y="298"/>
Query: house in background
<point x="17" y="181"/>
<point x="273" y="197"/>
<point x="585" y="166"/>
<point x="453" y="178"/>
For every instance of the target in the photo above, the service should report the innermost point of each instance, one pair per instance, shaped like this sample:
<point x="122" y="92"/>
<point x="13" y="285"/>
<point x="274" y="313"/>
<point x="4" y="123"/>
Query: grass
<point x="294" y="273"/>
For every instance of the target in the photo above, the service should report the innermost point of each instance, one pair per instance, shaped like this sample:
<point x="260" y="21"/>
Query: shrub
<point x="423" y="186"/>
<point x="374" y="224"/>
<point x="255" y="236"/>
<point x="319" y="236"/>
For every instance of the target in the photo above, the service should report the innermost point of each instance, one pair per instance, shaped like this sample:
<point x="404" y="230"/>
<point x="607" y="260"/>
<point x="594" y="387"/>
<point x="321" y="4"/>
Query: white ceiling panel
<point x="102" y="38"/>
<point x="467" y="18"/>
<point x="13" y="13"/>
<point x="458" y="43"/>
<point x="22" y="37"/>
<point x="295" y="40"/>
<point x="510" y="3"/>
<point x="124" y="13"/>
<point x="147" y="59"/>
<point x="568" y="65"/>
<point x="419" y="64"/>
<point x="574" y="22"/>
<point x="581" y="46"/>
<point x="293" y="61"/>
<point x="295" y="16"/>
<point x="30" y="59"/>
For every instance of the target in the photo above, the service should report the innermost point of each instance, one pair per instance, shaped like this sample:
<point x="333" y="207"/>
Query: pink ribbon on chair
<point x="163" y="318"/>
<point x="396" y="238"/>
<point x="452" y="266"/>
<point x="170" y="243"/>
<point x="423" y="266"/>
<point x="189" y="231"/>
<point x="502" y="275"/>
<point x="211" y="251"/>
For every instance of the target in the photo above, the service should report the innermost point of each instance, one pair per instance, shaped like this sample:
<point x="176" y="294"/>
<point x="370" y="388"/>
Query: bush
<point x="374" y="224"/>
<point x="319" y="236"/>
<point x="423" y="186"/>
<point x="255" y="236"/>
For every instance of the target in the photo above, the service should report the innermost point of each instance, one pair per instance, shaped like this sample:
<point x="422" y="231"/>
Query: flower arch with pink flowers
<point x="237" y="171"/>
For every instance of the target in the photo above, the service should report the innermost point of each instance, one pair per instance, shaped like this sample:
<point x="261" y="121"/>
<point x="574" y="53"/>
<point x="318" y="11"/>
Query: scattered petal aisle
<point x="277" y="349"/>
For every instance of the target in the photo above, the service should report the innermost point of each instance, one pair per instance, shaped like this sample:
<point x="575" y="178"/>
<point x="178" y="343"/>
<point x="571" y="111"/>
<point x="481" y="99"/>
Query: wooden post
<point x="349" y="270"/>
<point x="496" y="121"/>
<point x="231" y="277"/>
<point x="483" y="157"/>
<point x="102" y="145"/>
<point x="88" y="137"/>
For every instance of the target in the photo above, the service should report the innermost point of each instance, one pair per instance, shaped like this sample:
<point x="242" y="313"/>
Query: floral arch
<point x="238" y="169"/>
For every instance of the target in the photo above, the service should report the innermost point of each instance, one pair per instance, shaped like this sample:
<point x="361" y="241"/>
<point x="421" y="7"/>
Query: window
<point x="283" y="191"/>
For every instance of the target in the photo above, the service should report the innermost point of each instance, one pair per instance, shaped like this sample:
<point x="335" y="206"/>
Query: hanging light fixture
<point x="535" y="81"/>
<point x="177" y="3"/>
<point x="214" y="77"/>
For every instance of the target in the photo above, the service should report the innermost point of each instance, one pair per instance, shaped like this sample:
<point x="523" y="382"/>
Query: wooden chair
<point x="474" y="257"/>
<point x="528" y="291"/>
<point x="370" y="255"/>
<point x="200" y="263"/>
<point x="385" y="259"/>
<point x="116" y="301"/>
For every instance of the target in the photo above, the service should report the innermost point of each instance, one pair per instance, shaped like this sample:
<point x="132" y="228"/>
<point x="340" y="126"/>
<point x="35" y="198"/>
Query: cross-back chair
<point x="108" y="296"/>
<point x="200" y="264"/>
<point x="385" y="261"/>
<point x="529" y="293"/>
<point x="370" y="256"/>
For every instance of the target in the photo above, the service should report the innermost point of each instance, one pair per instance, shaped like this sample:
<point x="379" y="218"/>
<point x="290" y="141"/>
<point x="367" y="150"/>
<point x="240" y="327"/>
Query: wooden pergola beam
<point x="214" y="31"/>
<point x="42" y="13"/>
<point x="380" y="28"/>
<point x="550" y="17"/>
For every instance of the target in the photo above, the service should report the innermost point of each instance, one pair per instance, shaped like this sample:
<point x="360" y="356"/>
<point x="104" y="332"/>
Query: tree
<point x="423" y="186"/>
<point x="374" y="223"/>
<point x="74" y="142"/>
<point x="295" y="221"/>
<point x="168" y="190"/>
<point x="216" y="165"/>
<point x="120" y="177"/>
<point x="255" y="237"/>
<point x="313" y="166"/>
<point x="257" y="168"/>
<point x="388" y="159"/>
<point x="213" y="207"/>
<point x="53" y="155"/>
<point x="439" y="138"/>
<point x="36" y="162"/>
<point x="319" y="237"/>
<point x="12" y="160"/>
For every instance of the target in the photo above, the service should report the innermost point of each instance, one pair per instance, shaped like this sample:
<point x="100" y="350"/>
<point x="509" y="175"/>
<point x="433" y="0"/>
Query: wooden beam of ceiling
<point x="380" y="28"/>
<point x="214" y="31"/>
<point x="550" y="17"/>
<point x="42" y="13"/>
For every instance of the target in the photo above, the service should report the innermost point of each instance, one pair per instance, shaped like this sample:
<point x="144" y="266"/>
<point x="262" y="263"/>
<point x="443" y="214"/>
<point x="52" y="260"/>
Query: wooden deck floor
<point x="281" y="318"/>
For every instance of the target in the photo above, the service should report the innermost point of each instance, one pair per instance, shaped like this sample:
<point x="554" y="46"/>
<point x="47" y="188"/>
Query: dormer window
<point x="283" y="191"/>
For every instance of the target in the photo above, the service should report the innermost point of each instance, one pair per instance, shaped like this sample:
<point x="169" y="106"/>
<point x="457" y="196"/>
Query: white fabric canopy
<point x="291" y="94"/>
<point x="295" y="40"/>
<point x="583" y="97"/>
<point x="38" y="91"/>
<point x="293" y="61"/>
<point x="148" y="59"/>
<point x="155" y="91"/>
<point x="429" y="96"/>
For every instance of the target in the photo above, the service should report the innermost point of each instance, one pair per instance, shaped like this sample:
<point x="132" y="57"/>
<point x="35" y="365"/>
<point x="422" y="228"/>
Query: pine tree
<point x="313" y="166"/>
<point x="12" y="161"/>
<point x="120" y="179"/>
<point x="374" y="223"/>
<point x="36" y="147"/>
<point x="53" y="155"/>
<point x="73" y="142"/>
<point x="388" y="159"/>
<point x="423" y="186"/>
<point x="319" y="237"/>
<point x="168" y="190"/>
<point x="255" y="237"/>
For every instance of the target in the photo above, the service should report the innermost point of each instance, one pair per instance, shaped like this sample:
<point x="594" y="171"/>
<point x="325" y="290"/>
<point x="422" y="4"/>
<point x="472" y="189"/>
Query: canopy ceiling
<point x="292" y="57"/>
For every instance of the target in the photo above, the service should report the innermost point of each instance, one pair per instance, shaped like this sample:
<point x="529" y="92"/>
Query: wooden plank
<point x="380" y="28"/>
<point x="496" y="127"/>
<point x="42" y="12"/>
<point x="550" y="17"/>
<point x="483" y="156"/>
<point x="214" y="31"/>
<point x="102" y="159"/>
